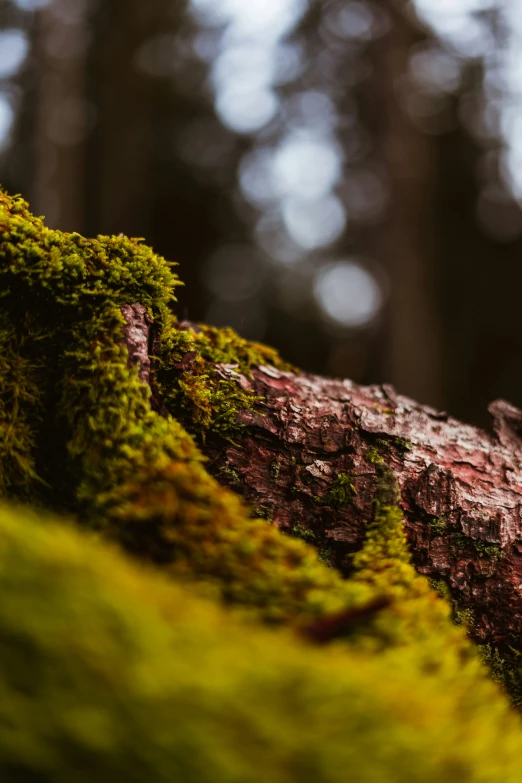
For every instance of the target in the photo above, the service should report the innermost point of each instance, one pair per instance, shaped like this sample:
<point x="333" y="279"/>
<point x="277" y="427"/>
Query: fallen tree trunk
<point x="307" y="461"/>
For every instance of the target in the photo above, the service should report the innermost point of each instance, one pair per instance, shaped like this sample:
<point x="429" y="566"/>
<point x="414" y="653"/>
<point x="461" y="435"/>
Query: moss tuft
<point x="195" y="390"/>
<point x="341" y="491"/>
<point x="438" y="525"/>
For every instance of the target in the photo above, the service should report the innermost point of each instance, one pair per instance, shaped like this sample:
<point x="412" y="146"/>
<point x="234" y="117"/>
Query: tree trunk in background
<point x="119" y="175"/>
<point x="63" y="115"/>
<point x="481" y="278"/>
<point x="93" y="138"/>
<point x="405" y="242"/>
<point x="106" y="131"/>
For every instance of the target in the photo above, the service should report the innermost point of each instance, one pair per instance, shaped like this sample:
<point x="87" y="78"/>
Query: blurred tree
<point x="406" y="241"/>
<point x="329" y="173"/>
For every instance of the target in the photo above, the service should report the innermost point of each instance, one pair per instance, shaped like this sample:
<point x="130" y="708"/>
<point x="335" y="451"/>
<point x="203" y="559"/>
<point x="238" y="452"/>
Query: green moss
<point x="100" y="660"/>
<point x="505" y="669"/>
<point x="327" y="555"/>
<point x="402" y="444"/>
<point x="263" y="511"/>
<point x="108" y="673"/>
<point x="229" y="475"/>
<point x="492" y="552"/>
<point x="417" y="615"/>
<point x="440" y="587"/>
<point x="341" y="491"/>
<point x="299" y="531"/>
<point x="438" y="525"/>
<point x="275" y="470"/>
<point x="21" y="405"/>
<point x="124" y="469"/>
<point x="373" y="456"/>
<point x="196" y="392"/>
<point x="464" y="617"/>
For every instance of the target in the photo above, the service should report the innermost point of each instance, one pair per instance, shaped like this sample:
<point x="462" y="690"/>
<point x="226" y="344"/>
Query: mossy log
<point x="147" y="432"/>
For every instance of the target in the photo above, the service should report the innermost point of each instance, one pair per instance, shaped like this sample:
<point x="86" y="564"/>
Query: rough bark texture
<point x="309" y="458"/>
<point x="141" y="338"/>
<point x="136" y="335"/>
<point x="309" y="461"/>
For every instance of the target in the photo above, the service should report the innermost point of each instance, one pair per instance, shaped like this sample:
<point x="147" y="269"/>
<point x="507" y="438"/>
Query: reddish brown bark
<point x="461" y="487"/>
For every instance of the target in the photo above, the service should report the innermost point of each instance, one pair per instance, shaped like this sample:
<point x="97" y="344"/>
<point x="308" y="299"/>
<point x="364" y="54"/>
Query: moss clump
<point x="402" y="444"/>
<point x="108" y="672"/>
<point x="492" y="551"/>
<point x="485" y="549"/>
<point x="119" y="466"/>
<point x="373" y="456"/>
<point x="418" y="619"/>
<point x="193" y="388"/>
<point x="21" y="405"/>
<point x="341" y="491"/>
<point x="438" y="525"/>
<point x="506" y="669"/>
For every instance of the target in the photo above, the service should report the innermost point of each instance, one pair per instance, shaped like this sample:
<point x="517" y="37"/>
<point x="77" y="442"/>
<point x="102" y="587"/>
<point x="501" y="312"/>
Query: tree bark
<point x="309" y="462"/>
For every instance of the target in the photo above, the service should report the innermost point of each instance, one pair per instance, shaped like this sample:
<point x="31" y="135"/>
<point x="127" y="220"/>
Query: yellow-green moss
<point x="78" y="432"/>
<point x="125" y="469"/>
<point x="197" y="394"/>
<point x="110" y="673"/>
<point x="505" y="669"/>
<point x="20" y="405"/>
<point x="341" y="490"/>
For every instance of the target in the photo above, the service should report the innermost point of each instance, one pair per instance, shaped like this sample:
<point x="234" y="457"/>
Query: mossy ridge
<point x="100" y="658"/>
<point x="144" y="483"/>
<point x="139" y="477"/>
<point x="196" y="393"/>
<point x="142" y="479"/>
<point x="67" y="269"/>
<point x="417" y="630"/>
<point x="61" y="279"/>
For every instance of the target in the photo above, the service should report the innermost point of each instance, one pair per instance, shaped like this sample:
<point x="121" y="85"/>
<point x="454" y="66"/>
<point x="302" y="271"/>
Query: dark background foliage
<point x="339" y="178"/>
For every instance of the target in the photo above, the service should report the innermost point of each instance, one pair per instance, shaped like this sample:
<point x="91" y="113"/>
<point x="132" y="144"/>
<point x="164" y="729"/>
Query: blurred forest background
<point x="339" y="178"/>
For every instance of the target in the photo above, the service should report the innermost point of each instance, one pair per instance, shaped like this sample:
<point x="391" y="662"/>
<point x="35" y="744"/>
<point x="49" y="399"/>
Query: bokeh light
<point x="32" y="5"/>
<point x="314" y="223"/>
<point x="6" y="120"/>
<point x="348" y="294"/>
<point x="306" y="167"/>
<point x="14" y="47"/>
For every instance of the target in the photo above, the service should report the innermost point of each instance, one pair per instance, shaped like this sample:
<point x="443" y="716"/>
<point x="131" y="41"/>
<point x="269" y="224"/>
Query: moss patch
<point x="193" y="388"/>
<point x="109" y="672"/>
<point x="128" y="471"/>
